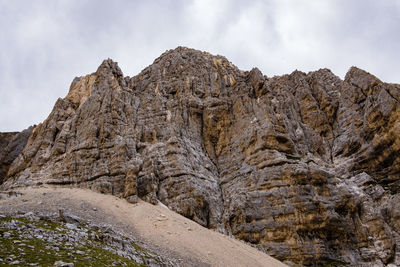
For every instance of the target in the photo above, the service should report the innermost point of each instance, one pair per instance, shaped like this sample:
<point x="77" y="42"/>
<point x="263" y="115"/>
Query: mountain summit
<point x="305" y="167"/>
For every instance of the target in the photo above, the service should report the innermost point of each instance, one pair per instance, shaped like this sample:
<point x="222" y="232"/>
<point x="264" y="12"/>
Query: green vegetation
<point x="27" y="248"/>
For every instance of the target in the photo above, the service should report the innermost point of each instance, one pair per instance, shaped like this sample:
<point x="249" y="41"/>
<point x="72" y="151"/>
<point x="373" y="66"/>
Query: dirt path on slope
<point x="160" y="229"/>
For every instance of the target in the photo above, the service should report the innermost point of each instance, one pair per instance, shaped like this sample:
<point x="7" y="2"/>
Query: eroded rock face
<point x="11" y="145"/>
<point x="304" y="166"/>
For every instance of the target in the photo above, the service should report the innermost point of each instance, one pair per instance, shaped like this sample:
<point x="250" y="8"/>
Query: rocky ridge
<point x="303" y="166"/>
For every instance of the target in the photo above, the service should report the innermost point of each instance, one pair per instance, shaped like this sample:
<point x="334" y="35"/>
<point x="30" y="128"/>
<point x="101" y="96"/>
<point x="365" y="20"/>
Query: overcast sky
<point x="45" y="44"/>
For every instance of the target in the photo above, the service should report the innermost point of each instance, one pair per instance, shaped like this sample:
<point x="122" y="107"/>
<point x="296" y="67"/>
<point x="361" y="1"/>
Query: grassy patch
<point x="26" y="248"/>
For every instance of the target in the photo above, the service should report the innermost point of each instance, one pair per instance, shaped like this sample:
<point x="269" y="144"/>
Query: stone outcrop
<point x="305" y="167"/>
<point x="11" y="145"/>
<point x="37" y="239"/>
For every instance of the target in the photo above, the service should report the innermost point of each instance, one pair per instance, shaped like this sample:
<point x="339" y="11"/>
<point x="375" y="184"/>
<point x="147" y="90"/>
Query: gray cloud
<point x="45" y="44"/>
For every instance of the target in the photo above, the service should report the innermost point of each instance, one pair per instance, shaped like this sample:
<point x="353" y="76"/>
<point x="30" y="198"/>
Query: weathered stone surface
<point x="5" y="139"/>
<point x="304" y="166"/>
<point x="82" y="243"/>
<point x="11" y="145"/>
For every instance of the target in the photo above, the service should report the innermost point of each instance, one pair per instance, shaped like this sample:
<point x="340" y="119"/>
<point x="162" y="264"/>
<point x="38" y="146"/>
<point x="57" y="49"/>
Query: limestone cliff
<point x="11" y="145"/>
<point x="306" y="167"/>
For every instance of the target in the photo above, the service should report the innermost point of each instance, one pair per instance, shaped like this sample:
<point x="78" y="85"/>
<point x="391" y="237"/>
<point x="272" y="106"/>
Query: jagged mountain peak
<point x="108" y="66"/>
<point x="356" y="71"/>
<point x="187" y="61"/>
<point x="188" y="53"/>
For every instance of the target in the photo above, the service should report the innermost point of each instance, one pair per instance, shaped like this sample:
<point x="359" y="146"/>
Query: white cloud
<point x="44" y="45"/>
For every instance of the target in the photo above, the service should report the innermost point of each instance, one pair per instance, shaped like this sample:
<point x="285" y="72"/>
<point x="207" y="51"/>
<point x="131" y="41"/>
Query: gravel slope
<point x="154" y="227"/>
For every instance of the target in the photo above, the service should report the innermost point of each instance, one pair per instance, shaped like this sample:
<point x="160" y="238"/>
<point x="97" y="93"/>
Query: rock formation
<point x="11" y="145"/>
<point x="305" y="167"/>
